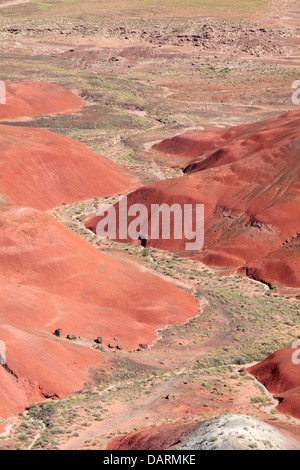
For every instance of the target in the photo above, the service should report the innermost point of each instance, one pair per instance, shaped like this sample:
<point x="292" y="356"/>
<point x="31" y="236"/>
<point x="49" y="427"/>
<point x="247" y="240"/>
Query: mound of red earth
<point x="156" y="438"/>
<point x="51" y="278"/>
<point x="278" y="267"/>
<point x="27" y="99"/>
<point x="42" y="170"/>
<point x="248" y="178"/>
<point x="280" y="374"/>
<point x="39" y="366"/>
<point x="227" y="431"/>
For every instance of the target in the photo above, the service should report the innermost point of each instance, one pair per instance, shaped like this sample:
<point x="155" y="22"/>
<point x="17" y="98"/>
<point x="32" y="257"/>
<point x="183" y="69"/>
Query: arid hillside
<point x="281" y="376"/>
<point x="247" y="178"/>
<point x="28" y="99"/>
<point x="110" y="344"/>
<point x="43" y="170"/>
<point x="52" y="279"/>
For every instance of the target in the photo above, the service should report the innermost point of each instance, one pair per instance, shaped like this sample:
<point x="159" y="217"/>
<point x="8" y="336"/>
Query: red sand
<point x="157" y="438"/>
<point x="281" y="377"/>
<point x="250" y="188"/>
<point x="42" y="170"/>
<point x="51" y="278"/>
<point x="27" y="99"/>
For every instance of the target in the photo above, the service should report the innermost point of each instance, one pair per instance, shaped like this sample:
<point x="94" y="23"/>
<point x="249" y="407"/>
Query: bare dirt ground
<point x="147" y="76"/>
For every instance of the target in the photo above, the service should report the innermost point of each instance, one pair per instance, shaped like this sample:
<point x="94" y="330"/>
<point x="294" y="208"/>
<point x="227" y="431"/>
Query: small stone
<point x="143" y="346"/>
<point x="101" y="348"/>
<point x="120" y="347"/>
<point x="111" y="345"/>
<point x="71" y="337"/>
<point x="116" y="339"/>
<point x="58" y="332"/>
<point x="98" y="340"/>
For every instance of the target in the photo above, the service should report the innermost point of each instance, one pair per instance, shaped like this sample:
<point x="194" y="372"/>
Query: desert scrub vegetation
<point x="132" y="9"/>
<point x="44" y="424"/>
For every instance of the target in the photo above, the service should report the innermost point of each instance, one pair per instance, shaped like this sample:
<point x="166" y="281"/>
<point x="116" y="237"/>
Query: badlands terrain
<point x="110" y="344"/>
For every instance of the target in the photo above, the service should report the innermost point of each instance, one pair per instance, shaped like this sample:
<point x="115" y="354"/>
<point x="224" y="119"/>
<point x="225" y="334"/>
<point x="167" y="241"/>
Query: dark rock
<point x="169" y="397"/>
<point x="58" y="332"/>
<point x="143" y="346"/>
<point x="98" y="340"/>
<point x="120" y="347"/>
<point x="71" y="337"/>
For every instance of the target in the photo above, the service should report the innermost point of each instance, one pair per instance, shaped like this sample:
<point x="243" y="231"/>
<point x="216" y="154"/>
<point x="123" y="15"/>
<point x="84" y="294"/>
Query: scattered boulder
<point x="111" y="345"/>
<point x="120" y="347"/>
<point x="143" y="346"/>
<point x="58" y="332"/>
<point x="143" y="238"/>
<point x="101" y="348"/>
<point x="98" y="340"/>
<point x="71" y="337"/>
<point x="169" y="397"/>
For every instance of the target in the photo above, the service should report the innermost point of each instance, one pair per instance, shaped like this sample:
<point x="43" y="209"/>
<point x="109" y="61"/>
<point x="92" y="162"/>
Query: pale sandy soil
<point x="13" y="3"/>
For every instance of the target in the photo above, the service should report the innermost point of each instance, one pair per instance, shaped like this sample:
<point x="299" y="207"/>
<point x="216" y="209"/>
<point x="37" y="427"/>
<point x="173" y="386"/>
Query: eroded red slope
<point x="210" y="146"/>
<point x="250" y="189"/>
<point x="42" y="170"/>
<point x="281" y="376"/>
<point x="51" y="278"/>
<point x="27" y="99"/>
<point x="278" y="267"/>
<point x="156" y="438"/>
<point x="39" y="366"/>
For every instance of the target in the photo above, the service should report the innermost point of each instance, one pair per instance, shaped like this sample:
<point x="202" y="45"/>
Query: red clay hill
<point x="28" y="99"/>
<point x="42" y="170"/>
<point x="155" y="438"/>
<point x="281" y="376"/>
<point x="51" y="278"/>
<point x="248" y="178"/>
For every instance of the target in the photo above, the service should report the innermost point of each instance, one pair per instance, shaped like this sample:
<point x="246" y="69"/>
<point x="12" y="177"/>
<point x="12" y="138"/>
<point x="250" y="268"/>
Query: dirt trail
<point x="127" y="416"/>
<point x="287" y="13"/>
